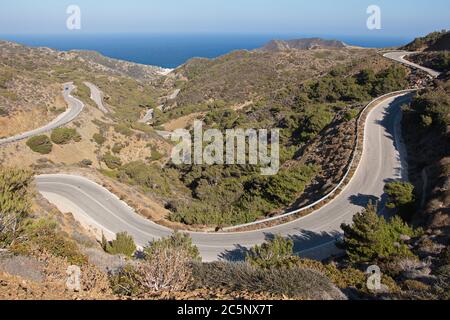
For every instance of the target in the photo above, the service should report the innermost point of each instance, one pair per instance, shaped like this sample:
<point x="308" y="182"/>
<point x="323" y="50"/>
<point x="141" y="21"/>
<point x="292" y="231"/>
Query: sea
<point x="172" y="50"/>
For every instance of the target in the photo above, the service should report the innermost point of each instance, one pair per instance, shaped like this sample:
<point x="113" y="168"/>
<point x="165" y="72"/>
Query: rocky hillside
<point x="134" y="70"/>
<point x="436" y="41"/>
<point x="303" y="44"/>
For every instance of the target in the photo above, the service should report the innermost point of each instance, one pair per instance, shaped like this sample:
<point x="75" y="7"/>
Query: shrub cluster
<point x="40" y="144"/>
<point x="65" y="136"/>
<point x="294" y="283"/>
<point x="112" y="162"/>
<point x="99" y="139"/>
<point x="166" y="266"/>
<point x="372" y="238"/>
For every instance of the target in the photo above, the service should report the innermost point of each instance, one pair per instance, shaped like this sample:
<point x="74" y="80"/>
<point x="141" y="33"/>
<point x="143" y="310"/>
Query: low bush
<point x="43" y="236"/>
<point x="351" y="114"/>
<point x="117" y="147"/>
<point x="178" y="241"/>
<point x="125" y="281"/>
<point x="3" y="112"/>
<point x="65" y="136"/>
<point x="99" y="139"/>
<point x="123" y="244"/>
<point x="86" y="163"/>
<point x="124" y="129"/>
<point x="40" y="144"/>
<point x="164" y="269"/>
<point x="15" y="202"/>
<point x="112" y="162"/>
<point x="294" y="283"/>
<point x="276" y="253"/>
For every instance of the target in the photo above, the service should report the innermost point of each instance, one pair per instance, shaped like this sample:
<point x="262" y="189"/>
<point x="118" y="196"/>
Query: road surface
<point x="148" y="116"/>
<point x="97" y="96"/>
<point x="74" y="109"/>
<point x="314" y="236"/>
<point x="399" y="56"/>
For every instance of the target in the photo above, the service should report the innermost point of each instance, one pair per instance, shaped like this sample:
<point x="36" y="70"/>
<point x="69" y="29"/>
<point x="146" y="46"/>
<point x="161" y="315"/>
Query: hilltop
<point x="131" y="69"/>
<point x="435" y="41"/>
<point x="303" y="44"/>
<point x="433" y="51"/>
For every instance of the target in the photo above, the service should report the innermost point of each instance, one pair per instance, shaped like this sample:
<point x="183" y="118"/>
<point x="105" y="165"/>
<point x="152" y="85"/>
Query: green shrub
<point x="40" y="144"/>
<point x="99" y="138"/>
<point x="15" y="202"/>
<point x="351" y="114"/>
<point x="156" y="155"/>
<point x="372" y="238"/>
<point x="177" y="241"/>
<point x="65" y="136"/>
<point x="342" y="278"/>
<point x="276" y="253"/>
<point x="5" y="77"/>
<point x="43" y="235"/>
<point x="117" y="147"/>
<point x="146" y="176"/>
<point x="123" y="244"/>
<point x="142" y="127"/>
<point x="112" y="162"/>
<point x="86" y="163"/>
<point x="3" y="112"/>
<point x="433" y="106"/>
<point x="400" y="196"/>
<point x="126" y="282"/>
<point x="124" y="129"/>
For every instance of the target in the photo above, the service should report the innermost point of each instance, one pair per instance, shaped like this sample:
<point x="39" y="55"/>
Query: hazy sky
<point x="344" y="17"/>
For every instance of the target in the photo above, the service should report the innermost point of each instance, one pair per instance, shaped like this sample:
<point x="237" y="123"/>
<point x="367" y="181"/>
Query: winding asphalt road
<point x="97" y="96"/>
<point x="74" y="109"/>
<point x="314" y="236"/>
<point x="399" y="56"/>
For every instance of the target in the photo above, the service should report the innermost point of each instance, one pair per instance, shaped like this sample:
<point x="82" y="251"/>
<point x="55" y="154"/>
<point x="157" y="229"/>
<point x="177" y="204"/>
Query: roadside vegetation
<point x="65" y="136"/>
<point x="40" y="144"/>
<point x="439" y="61"/>
<point x="123" y="244"/>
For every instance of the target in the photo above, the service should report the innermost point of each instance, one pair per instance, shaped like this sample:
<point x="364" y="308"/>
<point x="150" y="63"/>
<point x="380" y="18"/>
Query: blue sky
<point x="328" y="17"/>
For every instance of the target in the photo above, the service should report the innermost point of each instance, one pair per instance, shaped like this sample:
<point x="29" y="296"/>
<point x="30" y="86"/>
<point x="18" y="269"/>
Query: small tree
<point x="400" y="197"/>
<point x="275" y="253"/>
<point x="123" y="244"/>
<point x="371" y="237"/>
<point x="400" y="194"/>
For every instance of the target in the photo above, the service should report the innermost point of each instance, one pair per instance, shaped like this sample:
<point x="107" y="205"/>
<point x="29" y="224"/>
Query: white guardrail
<point x="347" y="173"/>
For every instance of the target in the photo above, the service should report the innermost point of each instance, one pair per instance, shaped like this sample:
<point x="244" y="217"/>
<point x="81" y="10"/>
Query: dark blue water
<point x="169" y="51"/>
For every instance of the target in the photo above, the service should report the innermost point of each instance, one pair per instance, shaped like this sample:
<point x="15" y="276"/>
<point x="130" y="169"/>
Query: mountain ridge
<point x="302" y="44"/>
